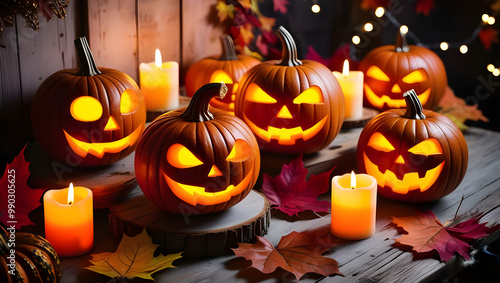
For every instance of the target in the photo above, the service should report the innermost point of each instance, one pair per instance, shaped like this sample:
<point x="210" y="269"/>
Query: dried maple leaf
<point x="426" y="233"/>
<point x="424" y="6"/>
<point x="15" y="191"/>
<point x="298" y="253"/>
<point x="133" y="258"/>
<point x="290" y="193"/>
<point x="458" y="111"/>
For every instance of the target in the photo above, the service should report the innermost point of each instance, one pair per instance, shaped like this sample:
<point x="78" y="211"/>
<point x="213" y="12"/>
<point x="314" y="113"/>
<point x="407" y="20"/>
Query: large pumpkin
<point x="33" y="260"/>
<point x="197" y="161"/>
<point x="88" y="117"/>
<point x="228" y="68"/>
<point x="391" y="70"/>
<point x="416" y="155"/>
<point x="292" y="106"/>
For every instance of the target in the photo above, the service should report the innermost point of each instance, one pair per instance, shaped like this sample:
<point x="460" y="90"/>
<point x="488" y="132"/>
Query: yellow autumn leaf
<point x="133" y="258"/>
<point x="224" y="11"/>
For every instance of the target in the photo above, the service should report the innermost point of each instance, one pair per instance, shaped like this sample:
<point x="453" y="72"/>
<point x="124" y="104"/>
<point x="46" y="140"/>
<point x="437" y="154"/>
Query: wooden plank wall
<point x="121" y="33"/>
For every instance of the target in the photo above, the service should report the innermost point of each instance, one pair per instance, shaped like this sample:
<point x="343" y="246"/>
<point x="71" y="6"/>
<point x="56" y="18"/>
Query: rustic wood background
<point x="121" y="33"/>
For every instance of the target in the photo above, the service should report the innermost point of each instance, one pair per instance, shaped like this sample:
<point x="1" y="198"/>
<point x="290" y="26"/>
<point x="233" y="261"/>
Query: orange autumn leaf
<point x="298" y="253"/>
<point x="458" y="111"/>
<point x="133" y="258"/>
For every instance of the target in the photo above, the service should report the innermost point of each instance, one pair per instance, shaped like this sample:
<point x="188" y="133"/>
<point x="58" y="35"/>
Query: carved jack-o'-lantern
<point x="228" y="68"/>
<point x="197" y="161"/>
<point x="291" y="106"/>
<point x="90" y="117"/>
<point x="417" y="155"/>
<point x="394" y="69"/>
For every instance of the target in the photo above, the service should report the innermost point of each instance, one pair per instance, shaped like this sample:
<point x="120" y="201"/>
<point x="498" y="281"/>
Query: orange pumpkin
<point x="228" y="68"/>
<point x="416" y="155"/>
<point x="292" y="106"/>
<point x="88" y="117"/>
<point x="197" y="161"/>
<point x="391" y="70"/>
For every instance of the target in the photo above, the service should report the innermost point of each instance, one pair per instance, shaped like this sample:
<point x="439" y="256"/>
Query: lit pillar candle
<point x="69" y="220"/>
<point x="160" y="84"/>
<point x="354" y="203"/>
<point x="351" y="83"/>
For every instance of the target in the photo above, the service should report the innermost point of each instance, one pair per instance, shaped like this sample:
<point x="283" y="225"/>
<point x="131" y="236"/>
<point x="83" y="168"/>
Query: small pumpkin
<point x="391" y="70"/>
<point x="88" y="117"/>
<point x="35" y="259"/>
<point x="416" y="155"/>
<point x="292" y="106"/>
<point x="228" y="68"/>
<point x="197" y="160"/>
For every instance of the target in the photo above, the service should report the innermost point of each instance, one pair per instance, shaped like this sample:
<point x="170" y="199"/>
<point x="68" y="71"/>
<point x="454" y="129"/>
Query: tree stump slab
<point x="194" y="235"/>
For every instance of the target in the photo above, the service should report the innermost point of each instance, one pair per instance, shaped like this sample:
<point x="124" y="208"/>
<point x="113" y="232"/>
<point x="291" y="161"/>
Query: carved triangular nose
<point x="396" y="88"/>
<point x="400" y="160"/>
<point x="111" y="125"/>
<point x="214" y="172"/>
<point x="284" y="113"/>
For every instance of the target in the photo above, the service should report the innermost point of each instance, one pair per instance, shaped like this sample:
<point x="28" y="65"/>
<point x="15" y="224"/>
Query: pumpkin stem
<point x="401" y="44"/>
<point x="197" y="110"/>
<point x="289" y="53"/>
<point x="413" y="105"/>
<point x="228" y="51"/>
<point x="88" y="66"/>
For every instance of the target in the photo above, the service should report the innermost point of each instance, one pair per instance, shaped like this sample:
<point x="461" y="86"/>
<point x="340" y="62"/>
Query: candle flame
<point x="71" y="194"/>
<point x="353" y="180"/>
<point x="158" y="62"/>
<point x="345" y="70"/>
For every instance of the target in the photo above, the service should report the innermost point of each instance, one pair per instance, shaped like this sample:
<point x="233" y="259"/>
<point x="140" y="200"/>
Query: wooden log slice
<point x="195" y="235"/>
<point x="367" y="115"/>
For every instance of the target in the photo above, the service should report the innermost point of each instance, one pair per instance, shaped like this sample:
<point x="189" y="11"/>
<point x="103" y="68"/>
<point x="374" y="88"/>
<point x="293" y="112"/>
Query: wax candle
<point x="354" y="203"/>
<point x="351" y="83"/>
<point x="69" y="220"/>
<point x="160" y="84"/>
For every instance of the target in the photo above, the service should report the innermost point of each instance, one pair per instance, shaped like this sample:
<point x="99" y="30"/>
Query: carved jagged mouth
<point x="197" y="195"/>
<point x="378" y="101"/>
<point x="285" y="136"/>
<point x="99" y="149"/>
<point x="410" y="181"/>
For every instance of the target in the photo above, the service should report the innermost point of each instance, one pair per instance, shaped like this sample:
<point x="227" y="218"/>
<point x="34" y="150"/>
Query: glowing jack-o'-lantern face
<point x="417" y="155"/>
<point x="197" y="182"/>
<point x="403" y="169"/>
<point x="88" y="109"/>
<point x="391" y="70"/>
<point x="292" y="106"/>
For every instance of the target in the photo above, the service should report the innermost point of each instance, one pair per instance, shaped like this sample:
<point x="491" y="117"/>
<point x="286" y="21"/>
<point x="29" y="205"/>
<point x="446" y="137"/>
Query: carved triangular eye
<point x="376" y="73"/>
<point x="220" y="76"/>
<point x="86" y="109"/>
<point x="428" y="147"/>
<point x="129" y="102"/>
<point x="416" y="76"/>
<point x="312" y="95"/>
<point x="256" y="94"/>
<point x="380" y="143"/>
<point x="241" y="151"/>
<point x="181" y="157"/>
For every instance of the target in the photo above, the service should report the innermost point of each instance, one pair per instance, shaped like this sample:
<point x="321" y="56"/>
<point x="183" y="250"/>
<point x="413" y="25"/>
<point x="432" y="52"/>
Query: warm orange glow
<point x="353" y="180"/>
<point x="285" y="136"/>
<point x="416" y="76"/>
<point x="71" y="194"/>
<point x="256" y="94"/>
<point x="241" y="151"/>
<point x="98" y="149"/>
<point x="378" y="102"/>
<point x="181" y="157"/>
<point x="284" y="113"/>
<point x="111" y="125"/>
<point x="214" y="172"/>
<point x="196" y="195"/>
<point x="396" y="88"/>
<point x="129" y="102"/>
<point x="158" y="62"/>
<point x="345" y="69"/>
<point x="428" y="147"/>
<point x="376" y="73"/>
<point x="221" y="76"/>
<point x="312" y="95"/>
<point x="86" y="109"/>
<point x="378" y="142"/>
<point x="399" y="160"/>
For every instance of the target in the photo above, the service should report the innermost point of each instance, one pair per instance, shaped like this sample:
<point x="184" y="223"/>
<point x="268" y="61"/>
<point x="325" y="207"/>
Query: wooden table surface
<point x="370" y="260"/>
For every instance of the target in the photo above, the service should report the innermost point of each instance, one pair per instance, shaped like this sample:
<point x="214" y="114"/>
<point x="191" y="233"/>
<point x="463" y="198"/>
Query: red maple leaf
<point x="488" y="36"/>
<point x="424" y="6"/>
<point x="280" y="6"/>
<point x="17" y="200"/>
<point x="336" y="62"/>
<point x="298" y="253"/>
<point x="425" y="233"/>
<point x="290" y="193"/>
